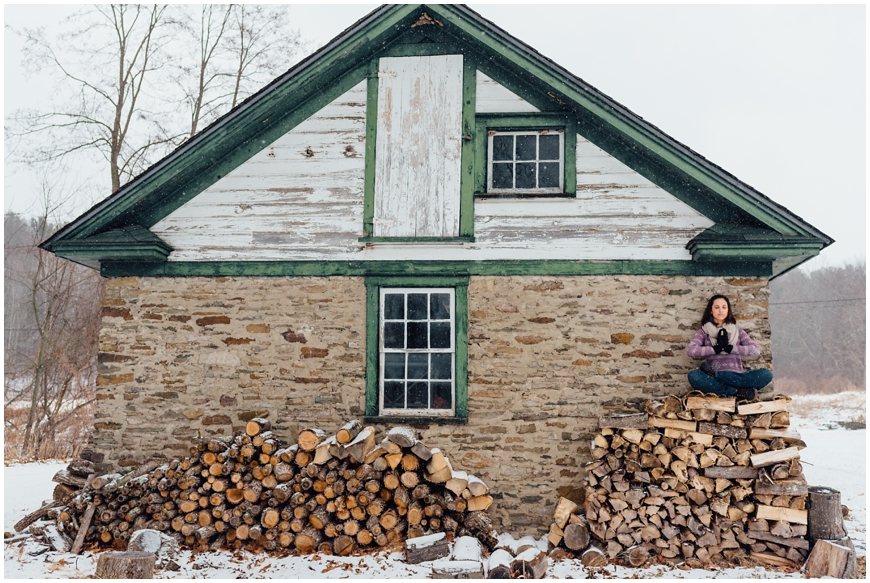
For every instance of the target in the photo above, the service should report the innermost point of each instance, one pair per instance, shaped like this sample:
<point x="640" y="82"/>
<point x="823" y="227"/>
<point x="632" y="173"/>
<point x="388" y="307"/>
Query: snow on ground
<point x="835" y="457"/>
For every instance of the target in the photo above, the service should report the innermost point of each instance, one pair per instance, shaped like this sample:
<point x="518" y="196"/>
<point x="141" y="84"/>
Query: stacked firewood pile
<point x="71" y="480"/>
<point x="701" y="479"/>
<point x="330" y="494"/>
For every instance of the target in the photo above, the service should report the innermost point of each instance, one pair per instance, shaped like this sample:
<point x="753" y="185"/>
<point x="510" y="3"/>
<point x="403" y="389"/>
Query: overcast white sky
<point x="776" y="95"/>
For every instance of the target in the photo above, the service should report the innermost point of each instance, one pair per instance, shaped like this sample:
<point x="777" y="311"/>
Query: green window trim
<point x="519" y="122"/>
<point x="373" y="285"/>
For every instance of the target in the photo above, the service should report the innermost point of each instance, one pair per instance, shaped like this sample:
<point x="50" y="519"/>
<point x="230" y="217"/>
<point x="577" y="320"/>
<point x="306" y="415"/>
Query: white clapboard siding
<point x="299" y="198"/>
<point x="493" y="97"/>
<point x="417" y="159"/>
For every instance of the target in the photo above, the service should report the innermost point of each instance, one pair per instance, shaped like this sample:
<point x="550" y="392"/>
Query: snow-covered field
<point x="835" y="457"/>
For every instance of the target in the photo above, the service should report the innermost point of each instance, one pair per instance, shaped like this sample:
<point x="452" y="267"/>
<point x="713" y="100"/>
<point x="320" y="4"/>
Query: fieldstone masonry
<point x="184" y="358"/>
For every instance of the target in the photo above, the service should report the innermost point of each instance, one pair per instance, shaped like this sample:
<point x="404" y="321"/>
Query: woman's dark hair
<point x="708" y="313"/>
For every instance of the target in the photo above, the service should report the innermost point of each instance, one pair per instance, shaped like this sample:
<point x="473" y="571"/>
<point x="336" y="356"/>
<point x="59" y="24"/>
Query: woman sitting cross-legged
<point x="722" y="344"/>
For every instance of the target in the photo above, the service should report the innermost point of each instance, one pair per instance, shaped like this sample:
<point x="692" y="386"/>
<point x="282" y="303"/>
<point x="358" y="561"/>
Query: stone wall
<point x="183" y="358"/>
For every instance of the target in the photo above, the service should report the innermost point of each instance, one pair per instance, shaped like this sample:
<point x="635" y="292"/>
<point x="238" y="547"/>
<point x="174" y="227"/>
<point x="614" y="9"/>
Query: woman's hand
<point x="722" y="343"/>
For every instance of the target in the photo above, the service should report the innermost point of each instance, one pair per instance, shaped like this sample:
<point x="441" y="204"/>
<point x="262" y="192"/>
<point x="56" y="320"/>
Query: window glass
<point x="417" y="364"/>
<point x="526" y="161"/>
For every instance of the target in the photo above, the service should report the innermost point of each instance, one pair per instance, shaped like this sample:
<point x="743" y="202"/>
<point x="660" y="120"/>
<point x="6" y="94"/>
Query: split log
<point x="832" y="559"/>
<point x="713" y="403"/>
<point x="690" y="426"/>
<point x="731" y="473"/>
<point x="362" y="444"/>
<point x="782" y="487"/>
<point x="633" y="420"/>
<point x="764" y="407"/>
<point x="774" y="457"/>
<point x="126" y="565"/>
<point x="722" y="430"/>
<point x="787" y="514"/>
<point x="564" y="509"/>
<point x="402" y="436"/>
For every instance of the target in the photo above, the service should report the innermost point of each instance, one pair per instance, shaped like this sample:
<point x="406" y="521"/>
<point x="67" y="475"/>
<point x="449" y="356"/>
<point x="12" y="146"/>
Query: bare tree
<point x="818" y="321"/>
<point x="52" y="362"/>
<point x="262" y="47"/>
<point x="106" y="63"/>
<point x="206" y="94"/>
<point x="233" y="50"/>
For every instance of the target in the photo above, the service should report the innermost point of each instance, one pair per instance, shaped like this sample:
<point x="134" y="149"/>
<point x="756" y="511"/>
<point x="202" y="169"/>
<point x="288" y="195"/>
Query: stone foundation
<point x="188" y="358"/>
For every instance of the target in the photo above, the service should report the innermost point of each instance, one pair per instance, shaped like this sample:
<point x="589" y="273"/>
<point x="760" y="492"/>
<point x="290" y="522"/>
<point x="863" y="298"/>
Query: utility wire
<point x="819" y="301"/>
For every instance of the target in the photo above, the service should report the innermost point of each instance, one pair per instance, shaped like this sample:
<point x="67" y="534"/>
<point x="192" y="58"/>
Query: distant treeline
<point x="818" y="321"/>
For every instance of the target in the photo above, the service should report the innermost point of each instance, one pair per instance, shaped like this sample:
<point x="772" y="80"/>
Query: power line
<point x="819" y="301"/>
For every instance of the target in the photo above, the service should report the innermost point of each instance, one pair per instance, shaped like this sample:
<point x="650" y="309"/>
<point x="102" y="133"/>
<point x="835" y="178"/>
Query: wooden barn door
<point x="419" y="139"/>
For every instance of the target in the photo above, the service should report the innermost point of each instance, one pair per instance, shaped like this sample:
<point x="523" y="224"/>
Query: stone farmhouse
<point x="426" y="222"/>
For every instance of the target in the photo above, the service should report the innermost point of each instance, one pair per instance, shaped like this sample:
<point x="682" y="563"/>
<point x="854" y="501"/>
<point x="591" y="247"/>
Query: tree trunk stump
<point x="127" y="565"/>
<point x="825" y="517"/>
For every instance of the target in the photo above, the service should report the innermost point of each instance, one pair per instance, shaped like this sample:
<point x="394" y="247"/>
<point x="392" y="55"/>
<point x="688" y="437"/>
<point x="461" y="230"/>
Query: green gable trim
<point x="735" y="267"/>
<point x="460" y="285"/>
<point x="133" y="244"/>
<point x="371" y="149"/>
<point x="416" y="239"/>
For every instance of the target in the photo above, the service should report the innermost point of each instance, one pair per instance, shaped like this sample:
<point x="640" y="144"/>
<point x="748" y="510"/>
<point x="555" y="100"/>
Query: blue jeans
<point x="725" y="383"/>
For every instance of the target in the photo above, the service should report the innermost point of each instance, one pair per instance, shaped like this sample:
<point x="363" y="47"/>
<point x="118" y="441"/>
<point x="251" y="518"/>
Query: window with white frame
<point x="417" y="351"/>
<point x="528" y="161"/>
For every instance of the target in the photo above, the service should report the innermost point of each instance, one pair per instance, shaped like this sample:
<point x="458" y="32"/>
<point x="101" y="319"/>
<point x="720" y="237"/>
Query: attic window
<point x="525" y="162"/>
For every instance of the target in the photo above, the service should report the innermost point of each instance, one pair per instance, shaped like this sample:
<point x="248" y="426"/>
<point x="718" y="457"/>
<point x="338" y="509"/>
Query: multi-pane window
<point x="525" y="161"/>
<point x="417" y="351"/>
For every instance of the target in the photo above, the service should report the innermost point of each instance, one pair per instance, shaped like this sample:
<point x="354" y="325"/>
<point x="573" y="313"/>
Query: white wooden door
<point x="419" y="140"/>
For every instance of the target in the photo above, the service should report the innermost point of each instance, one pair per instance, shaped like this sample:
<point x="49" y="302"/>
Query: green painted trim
<point x="461" y="295"/>
<point x="512" y="121"/>
<point x="371" y="143"/>
<point x="372" y="308"/>
<point x="747" y="250"/>
<point x="416" y="239"/>
<point x="424" y="49"/>
<point x="570" y="180"/>
<point x="467" y="155"/>
<point x="406" y="420"/>
<point x="90" y="251"/>
<point x="734" y="267"/>
<point x="460" y="285"/>
<point x="425" y="281"/>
